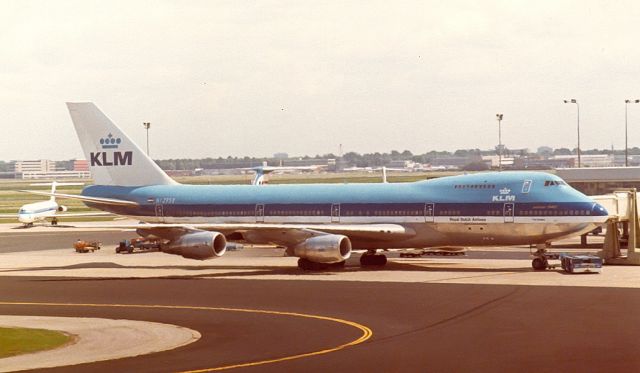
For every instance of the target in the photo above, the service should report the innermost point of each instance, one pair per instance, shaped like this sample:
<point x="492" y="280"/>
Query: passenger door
<point x="508" y="212"/>
<point x="159" y="212"/>
<point x="335" y="213"/>
<point x="259" y="213"/>
<point x="429" y="209"/>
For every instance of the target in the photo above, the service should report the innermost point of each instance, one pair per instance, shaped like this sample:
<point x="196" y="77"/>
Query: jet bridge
<point x="623" y="214"/>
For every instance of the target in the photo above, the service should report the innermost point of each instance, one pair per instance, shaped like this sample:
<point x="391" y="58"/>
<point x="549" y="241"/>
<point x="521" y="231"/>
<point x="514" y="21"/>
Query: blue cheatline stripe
<point x="361" y="209"/>
<point x="39" y="211"/>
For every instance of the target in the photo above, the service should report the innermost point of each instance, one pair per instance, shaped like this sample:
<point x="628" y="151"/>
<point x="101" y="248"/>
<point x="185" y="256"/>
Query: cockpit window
<point x="554" y="182"/>
<point x="526" y="186"/>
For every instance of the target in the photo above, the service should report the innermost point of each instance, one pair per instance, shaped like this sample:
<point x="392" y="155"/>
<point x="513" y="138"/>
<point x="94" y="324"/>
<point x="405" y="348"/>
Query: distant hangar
<point x="601" y="180"/>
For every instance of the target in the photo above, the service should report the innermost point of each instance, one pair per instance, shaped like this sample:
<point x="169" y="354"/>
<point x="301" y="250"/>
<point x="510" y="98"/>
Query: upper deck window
<point x="474" y="186"/>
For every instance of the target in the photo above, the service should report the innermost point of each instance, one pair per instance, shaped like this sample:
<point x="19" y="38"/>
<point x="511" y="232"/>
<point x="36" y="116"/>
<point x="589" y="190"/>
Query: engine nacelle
<point x="197" y="245"/>
<point x="330" y="248"/>
<point x="62" y="208"/>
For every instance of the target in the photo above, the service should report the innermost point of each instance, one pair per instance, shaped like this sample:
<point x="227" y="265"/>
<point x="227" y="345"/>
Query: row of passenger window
<point x="383" y="213"/>
<point x="207" y="213"/>
<point x="296" y="213"/>
<point x="474" y="186"/>
<point x="555" y="212"/>
<point x="213" y="213"/>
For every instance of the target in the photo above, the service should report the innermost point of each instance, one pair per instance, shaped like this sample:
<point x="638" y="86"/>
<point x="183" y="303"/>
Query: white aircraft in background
<point x="262" y="171"/>
<point x="384" y="170"/>
<point x="41" y="211"/>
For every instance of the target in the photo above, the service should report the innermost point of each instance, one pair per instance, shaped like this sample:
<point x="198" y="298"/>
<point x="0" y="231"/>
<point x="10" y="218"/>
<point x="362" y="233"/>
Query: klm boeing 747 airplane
<point x="322" y="223"/>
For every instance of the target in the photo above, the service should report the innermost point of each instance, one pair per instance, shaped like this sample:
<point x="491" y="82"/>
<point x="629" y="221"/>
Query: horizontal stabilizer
<point x="55" y="183"/>
<point x="98" y="200"/>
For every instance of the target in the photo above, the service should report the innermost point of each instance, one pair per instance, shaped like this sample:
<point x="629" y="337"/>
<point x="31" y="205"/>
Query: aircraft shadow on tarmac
<point x="248" y="271"/>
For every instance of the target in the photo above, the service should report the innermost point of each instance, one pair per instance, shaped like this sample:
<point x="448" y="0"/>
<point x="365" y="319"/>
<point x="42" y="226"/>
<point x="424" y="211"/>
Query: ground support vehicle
<point x="86" y="246"/>
<point x="445" y="252"/>
<point x="581" y="263"/>
<point x="415" y="253"/>
<point x="137" y="243"/>
<point x="571" y="263"/>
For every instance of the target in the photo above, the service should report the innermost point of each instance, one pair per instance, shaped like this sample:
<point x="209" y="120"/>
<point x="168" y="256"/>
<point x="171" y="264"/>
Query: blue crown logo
<point x="110" y="142"/>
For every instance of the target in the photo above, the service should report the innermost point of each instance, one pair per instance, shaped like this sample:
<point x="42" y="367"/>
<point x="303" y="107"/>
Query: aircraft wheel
<point x="373" y="260"/>
<point x="539" y="264"/>
<point x="307" y="265"/>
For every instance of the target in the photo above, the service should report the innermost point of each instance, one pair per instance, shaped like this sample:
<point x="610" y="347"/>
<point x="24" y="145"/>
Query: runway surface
<point x="416" y="327"/>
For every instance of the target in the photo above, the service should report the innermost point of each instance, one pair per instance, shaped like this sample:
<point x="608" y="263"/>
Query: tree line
<point x="350" y="159"/>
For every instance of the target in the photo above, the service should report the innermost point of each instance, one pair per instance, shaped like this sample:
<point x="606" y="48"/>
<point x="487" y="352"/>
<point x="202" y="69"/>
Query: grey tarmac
<point x="434" y="315"/>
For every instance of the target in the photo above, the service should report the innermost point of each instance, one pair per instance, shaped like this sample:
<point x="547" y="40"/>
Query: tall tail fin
<point x="113" y="158"/>
<point x="53" y="185"/>
<point x="53" y="191"/>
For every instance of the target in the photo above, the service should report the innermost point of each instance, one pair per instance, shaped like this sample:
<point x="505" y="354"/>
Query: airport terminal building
<point x="601" y="180"/>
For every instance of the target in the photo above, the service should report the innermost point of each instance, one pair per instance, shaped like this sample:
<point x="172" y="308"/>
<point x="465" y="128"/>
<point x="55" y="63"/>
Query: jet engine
<point x="197" y="245"/>
<point x="330" y="248"/>
<point x="62" y="208"/>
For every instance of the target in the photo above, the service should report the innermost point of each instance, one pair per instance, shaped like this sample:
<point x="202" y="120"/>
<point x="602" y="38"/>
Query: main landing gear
<point x="372" y="259"/>
<point x="368" y="259"/>
<point x="307" y="265"/>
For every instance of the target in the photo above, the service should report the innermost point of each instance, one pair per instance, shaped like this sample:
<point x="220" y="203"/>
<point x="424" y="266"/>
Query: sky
<point x="252" y="78"/>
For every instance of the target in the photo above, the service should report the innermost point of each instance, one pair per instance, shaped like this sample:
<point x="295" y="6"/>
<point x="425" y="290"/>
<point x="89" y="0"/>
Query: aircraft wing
<point x="294" y="233"/>
<point x="285" y="234"/>
<point x="97" y="200"/>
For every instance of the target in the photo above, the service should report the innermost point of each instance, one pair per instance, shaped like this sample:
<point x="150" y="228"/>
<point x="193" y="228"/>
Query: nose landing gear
<point x="541" y="258"/>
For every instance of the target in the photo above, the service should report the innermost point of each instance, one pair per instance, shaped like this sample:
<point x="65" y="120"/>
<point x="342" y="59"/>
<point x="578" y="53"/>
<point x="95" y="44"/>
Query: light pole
<point x="146" y="126"/>
<point x="499" y="117"/>
<point x="574" y="101"/>
<point x="626" y="145"/>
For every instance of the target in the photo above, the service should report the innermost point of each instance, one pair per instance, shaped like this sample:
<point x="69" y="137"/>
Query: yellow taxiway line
<point x="366" y="332"/>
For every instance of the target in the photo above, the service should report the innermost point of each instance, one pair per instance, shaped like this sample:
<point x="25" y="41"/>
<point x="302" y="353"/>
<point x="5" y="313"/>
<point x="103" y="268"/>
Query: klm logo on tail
<point x="111" y="159"/>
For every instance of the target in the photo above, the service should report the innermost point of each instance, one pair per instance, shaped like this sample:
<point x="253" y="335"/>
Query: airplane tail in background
<point x="113" y="158"/>
<point x="53" y="185"/>
<point x="53" y="191"/>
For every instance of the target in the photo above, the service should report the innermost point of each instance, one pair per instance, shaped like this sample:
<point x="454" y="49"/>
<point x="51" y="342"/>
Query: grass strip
<point x="17" y="341"/>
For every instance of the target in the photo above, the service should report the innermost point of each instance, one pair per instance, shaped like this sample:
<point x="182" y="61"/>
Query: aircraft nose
<point x="599" y="210"/>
